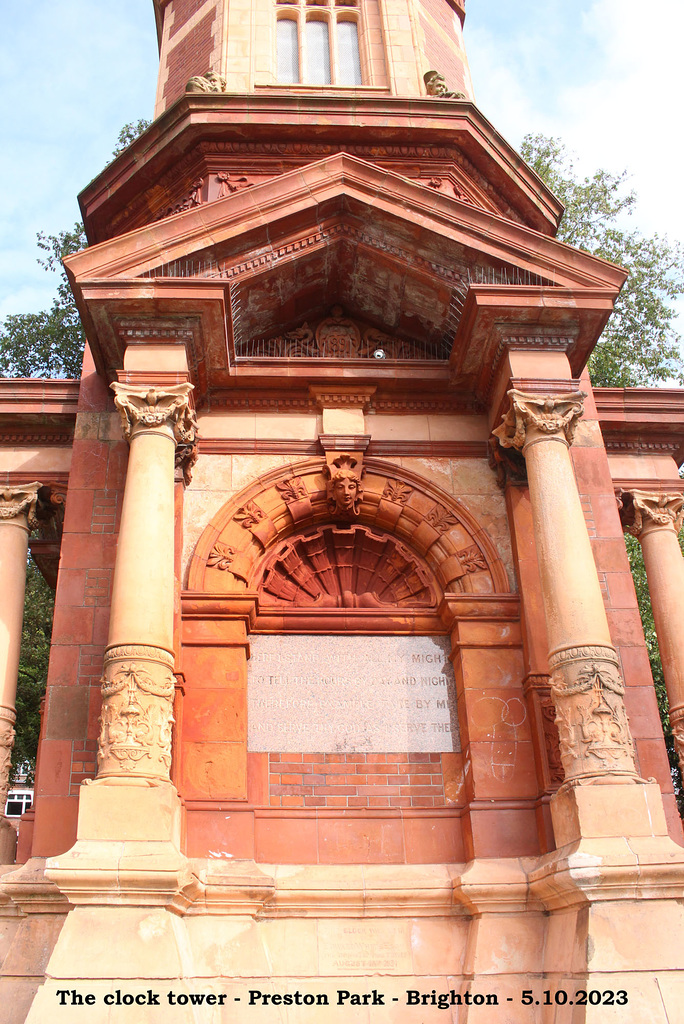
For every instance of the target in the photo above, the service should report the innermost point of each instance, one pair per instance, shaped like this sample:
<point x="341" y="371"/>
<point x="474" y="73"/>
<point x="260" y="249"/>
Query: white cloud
<point x="611" y="88"/>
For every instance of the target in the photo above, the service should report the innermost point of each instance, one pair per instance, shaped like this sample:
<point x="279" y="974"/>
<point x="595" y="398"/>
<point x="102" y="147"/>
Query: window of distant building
<point x="317" y="42"/>
<point x="18" y="801"/>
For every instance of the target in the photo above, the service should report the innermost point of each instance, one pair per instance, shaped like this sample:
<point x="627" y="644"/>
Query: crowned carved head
<point x="344" y="487"/>
<point x="435" y="83"/>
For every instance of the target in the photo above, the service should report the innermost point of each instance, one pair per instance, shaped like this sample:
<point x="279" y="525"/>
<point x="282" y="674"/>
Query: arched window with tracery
<point x="320" y="42"/>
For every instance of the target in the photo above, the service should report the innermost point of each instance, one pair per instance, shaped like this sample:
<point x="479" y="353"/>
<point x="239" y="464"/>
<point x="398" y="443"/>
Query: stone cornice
<point x="642" y="421"/>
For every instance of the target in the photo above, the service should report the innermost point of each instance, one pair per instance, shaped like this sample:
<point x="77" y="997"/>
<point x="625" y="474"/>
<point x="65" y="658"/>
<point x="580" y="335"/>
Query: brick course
<point x="191" y="56"/>
<point x="183" y="11"/>
<point x="356" y="780"/>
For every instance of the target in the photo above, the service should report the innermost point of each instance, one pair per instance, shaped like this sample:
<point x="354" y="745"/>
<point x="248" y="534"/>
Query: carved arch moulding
<point x="388" y="559"/>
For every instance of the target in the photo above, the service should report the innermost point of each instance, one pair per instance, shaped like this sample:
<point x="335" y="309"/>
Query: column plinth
<point x="655" y="520"/>
<point x="587" y="690"/>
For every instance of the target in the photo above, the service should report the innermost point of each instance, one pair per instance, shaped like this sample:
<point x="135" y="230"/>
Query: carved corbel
<point x="537" y="417"/>
<point x="185" y="458"/>
<point x="508" y="464"/>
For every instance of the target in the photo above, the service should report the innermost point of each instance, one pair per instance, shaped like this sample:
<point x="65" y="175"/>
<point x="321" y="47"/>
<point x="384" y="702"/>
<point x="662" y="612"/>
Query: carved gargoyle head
<point x="435" y="85"/>
<point x="210" y="81"/>
<point x="344" y="487"/>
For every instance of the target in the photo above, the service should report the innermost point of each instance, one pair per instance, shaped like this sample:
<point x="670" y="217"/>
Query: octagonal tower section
<point x="378" y="46"/>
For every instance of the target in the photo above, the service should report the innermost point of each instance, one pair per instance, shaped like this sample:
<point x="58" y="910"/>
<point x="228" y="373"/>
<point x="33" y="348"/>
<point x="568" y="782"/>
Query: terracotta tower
<point x="348" y="696"/>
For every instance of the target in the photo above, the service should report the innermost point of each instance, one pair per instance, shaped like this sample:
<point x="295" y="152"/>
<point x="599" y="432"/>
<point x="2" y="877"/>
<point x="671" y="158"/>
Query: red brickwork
<point x="356" y="780"/>
<point x="183" y="11"/>
<point x="70" y="725"/>
<point x="442" y="45"/>
<point x="190" y="57"/>
<point x="84" y="761"/>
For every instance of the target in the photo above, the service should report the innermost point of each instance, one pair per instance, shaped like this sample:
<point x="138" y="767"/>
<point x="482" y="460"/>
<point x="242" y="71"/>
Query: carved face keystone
<point x="345" y="490"/>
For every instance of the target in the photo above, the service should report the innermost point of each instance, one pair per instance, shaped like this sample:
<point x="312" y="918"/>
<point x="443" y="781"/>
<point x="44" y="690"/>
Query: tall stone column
<point x="138" y="683"/>
<point x="17" y="518"/>
<point x="595" y="742"/>
<point x="655" y="519"/>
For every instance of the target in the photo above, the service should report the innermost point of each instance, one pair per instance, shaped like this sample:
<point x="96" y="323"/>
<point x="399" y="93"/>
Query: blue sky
<point x="603" y="75"/>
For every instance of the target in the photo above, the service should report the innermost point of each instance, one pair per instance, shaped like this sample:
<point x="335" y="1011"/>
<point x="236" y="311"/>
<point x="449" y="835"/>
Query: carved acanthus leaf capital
<point x="541" y="415"/>
<point x="153" y="407"/>
<point x="16" y="501"/>
<point x="639" y="508"/>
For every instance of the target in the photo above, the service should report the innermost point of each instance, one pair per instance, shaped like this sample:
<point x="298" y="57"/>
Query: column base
<point x="127" y="848"/>
<point x="613" y="889"/>
<point x="8" y="841"/>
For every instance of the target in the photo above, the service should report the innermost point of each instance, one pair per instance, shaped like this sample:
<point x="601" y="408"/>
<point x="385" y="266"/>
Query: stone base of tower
<point x="508" y="940"/>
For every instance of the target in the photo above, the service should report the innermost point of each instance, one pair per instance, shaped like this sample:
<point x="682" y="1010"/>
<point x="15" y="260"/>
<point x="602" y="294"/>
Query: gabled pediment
<point x="396" y="254"/>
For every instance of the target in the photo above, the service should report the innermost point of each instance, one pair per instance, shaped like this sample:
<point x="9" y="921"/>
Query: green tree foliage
<point x="129" y="133"/>
<point x="50" y="343"/>
<point x="45" y="344"/>
<point x="640" y="346"/>
<point x="33" y="666"/>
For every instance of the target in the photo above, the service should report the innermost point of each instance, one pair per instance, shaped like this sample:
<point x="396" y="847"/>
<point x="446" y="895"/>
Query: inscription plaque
<point x="375" y="694"/>
<point x="361" y="947"/>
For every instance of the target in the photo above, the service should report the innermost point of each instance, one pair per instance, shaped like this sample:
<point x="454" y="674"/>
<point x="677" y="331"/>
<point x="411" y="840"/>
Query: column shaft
<point x="655" y="520"/>
<point x="17" y="511"/>
<point x="142" y="591"/>
<point x="138" y="683"/>
<point x="586" y="686"/>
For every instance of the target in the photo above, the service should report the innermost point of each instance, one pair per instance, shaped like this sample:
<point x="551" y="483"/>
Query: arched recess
<point x="411" y="544"/>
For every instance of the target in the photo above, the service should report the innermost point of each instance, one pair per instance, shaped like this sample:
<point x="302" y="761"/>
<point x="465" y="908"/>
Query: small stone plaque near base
<point x="340" y="694"/>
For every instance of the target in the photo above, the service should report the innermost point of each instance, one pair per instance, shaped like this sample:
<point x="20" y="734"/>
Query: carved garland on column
<point x="137" y="712"/>
<point x="586" y="685"/>
<point x="588" y="692"/>
<point x="138" y="681"/>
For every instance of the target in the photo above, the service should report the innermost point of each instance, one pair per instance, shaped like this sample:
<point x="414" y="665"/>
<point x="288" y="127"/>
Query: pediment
<point x="400" y="256"/>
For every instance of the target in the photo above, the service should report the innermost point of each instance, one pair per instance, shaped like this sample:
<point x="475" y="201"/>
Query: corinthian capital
<point x="152" y="407"/>
<point x="639" y="508"/>
<point x="541" y="416"/>
<point x="16" y="501"/>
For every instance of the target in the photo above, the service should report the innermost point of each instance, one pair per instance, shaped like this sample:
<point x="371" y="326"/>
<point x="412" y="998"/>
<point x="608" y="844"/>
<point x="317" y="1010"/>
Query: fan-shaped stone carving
<point x="345" y="568"/>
